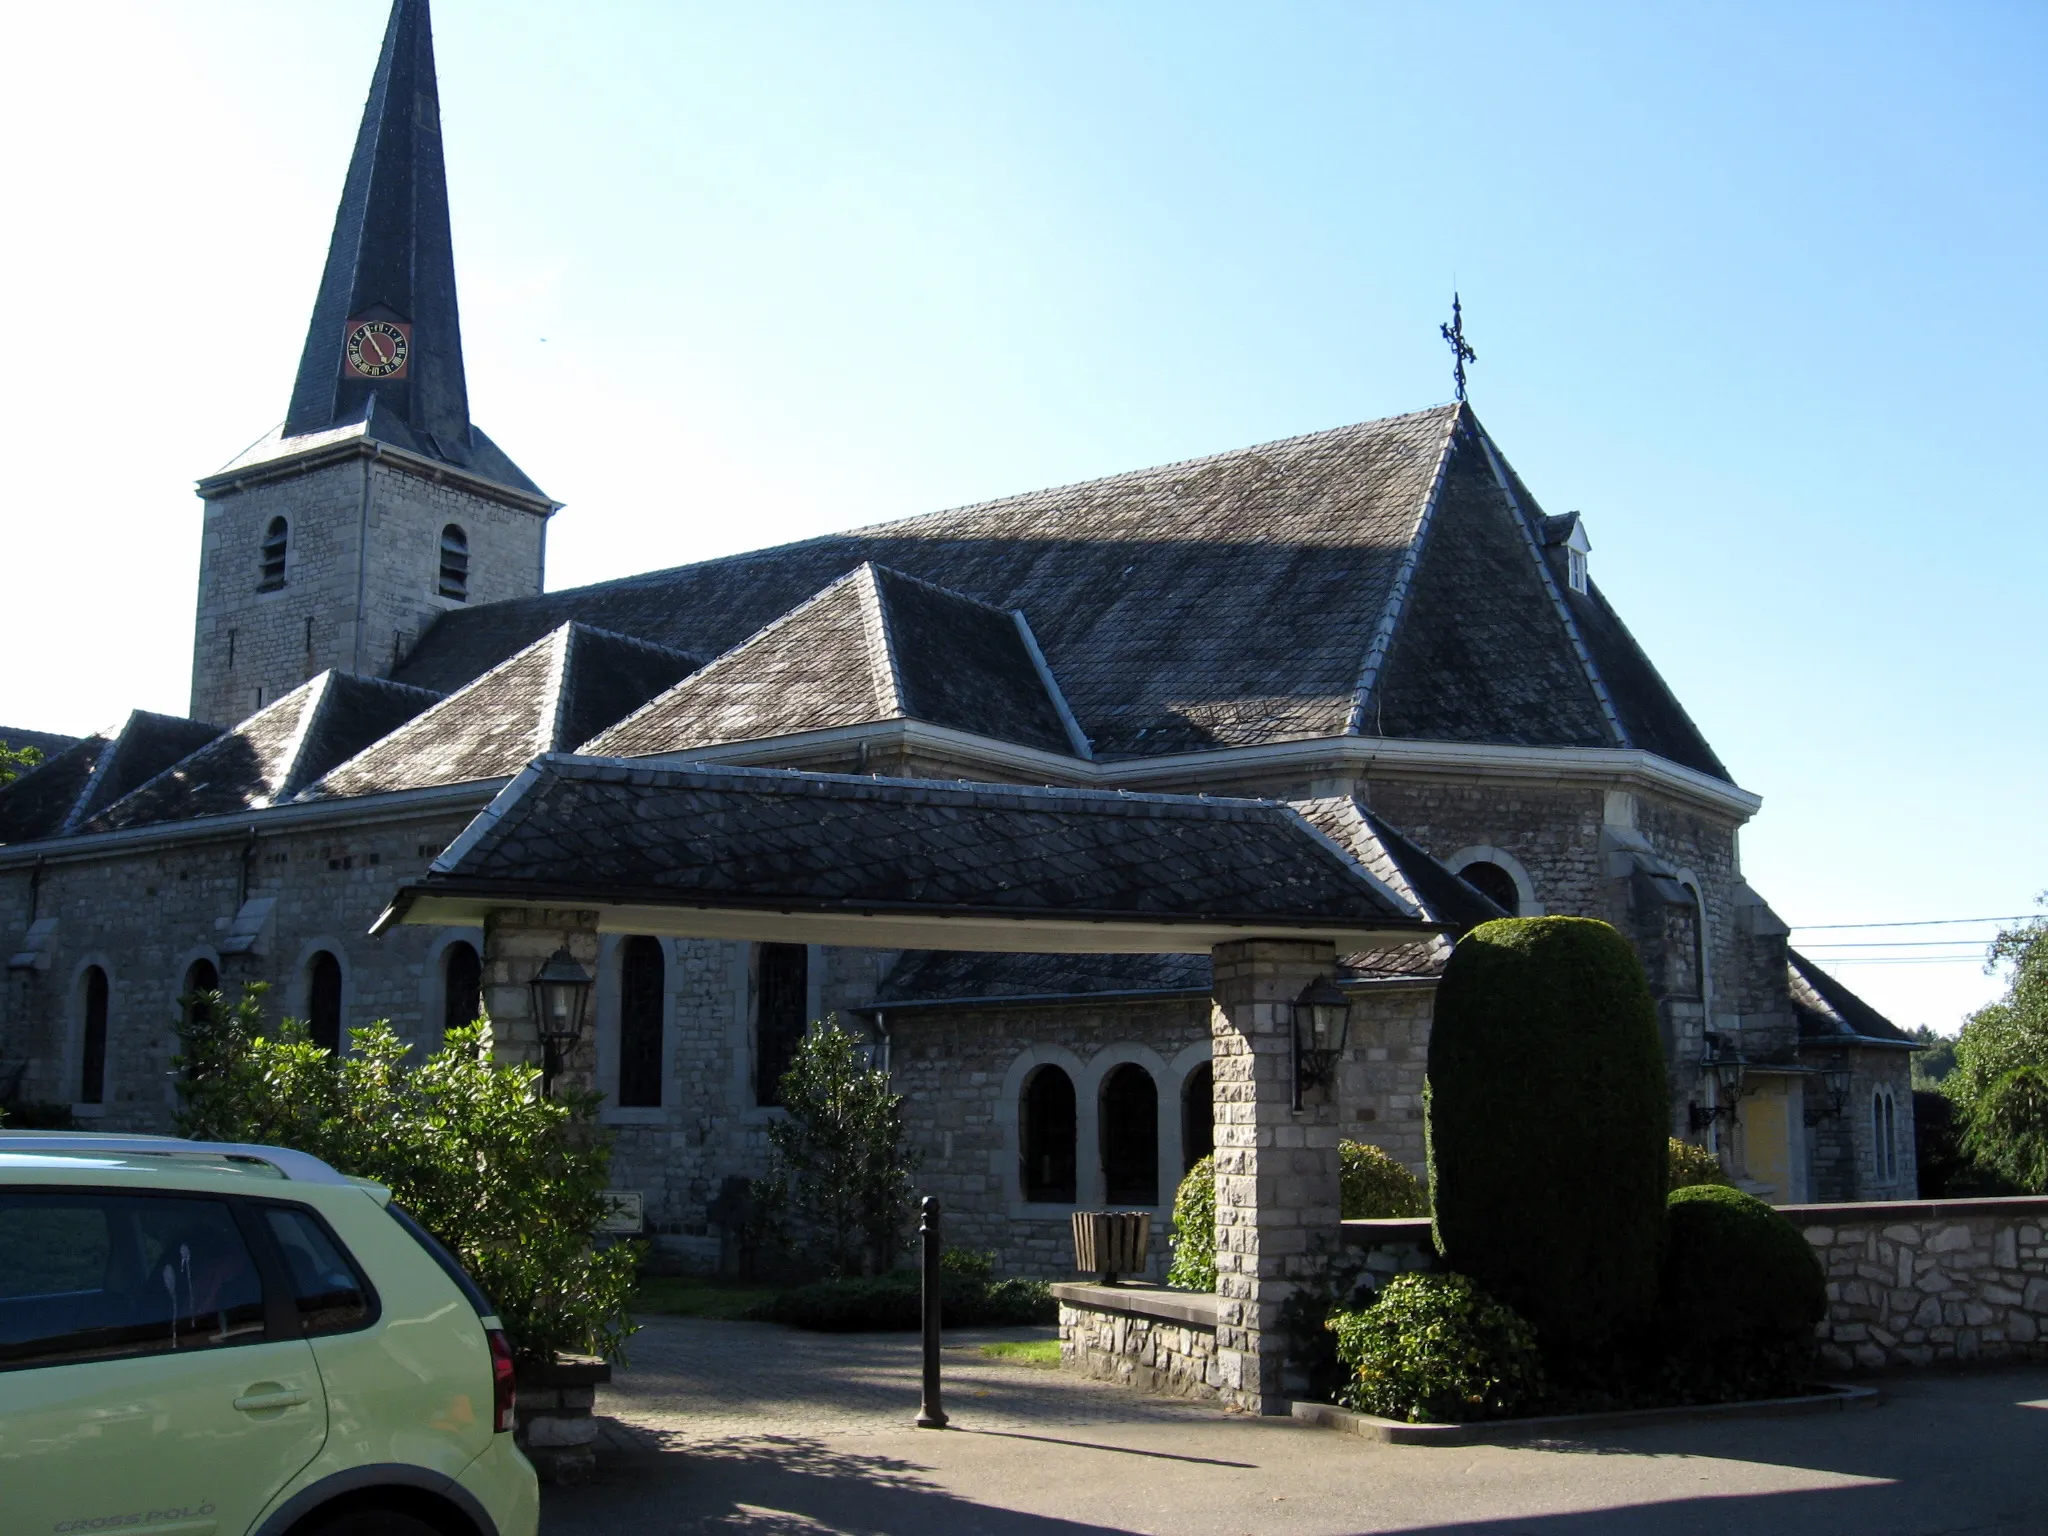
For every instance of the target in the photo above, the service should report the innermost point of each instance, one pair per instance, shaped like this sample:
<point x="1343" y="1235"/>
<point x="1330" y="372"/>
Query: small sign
<point x="628" y="1212"/>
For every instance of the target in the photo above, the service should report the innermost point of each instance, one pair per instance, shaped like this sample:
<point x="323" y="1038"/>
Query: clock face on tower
<point x="377" y="349"/>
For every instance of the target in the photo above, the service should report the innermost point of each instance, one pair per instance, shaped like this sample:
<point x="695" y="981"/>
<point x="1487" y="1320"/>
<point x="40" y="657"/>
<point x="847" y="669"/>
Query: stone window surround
<point x="611" y="950"/>
<point x="74" y="1037"/>
<point x="434" y="980"/>
<point x="1488" y="853"/>
<point x="1168" y="1079"/>
<point x="299" y="1002"/>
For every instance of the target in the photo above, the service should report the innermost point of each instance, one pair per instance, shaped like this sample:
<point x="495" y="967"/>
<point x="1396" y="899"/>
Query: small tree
<point x="16" y="761"/>
<point x="2008" y="1130"/>
<point x="2013" y="1031"/>
<point x="838" y="1183"/>
<point x="512" y="1182"/>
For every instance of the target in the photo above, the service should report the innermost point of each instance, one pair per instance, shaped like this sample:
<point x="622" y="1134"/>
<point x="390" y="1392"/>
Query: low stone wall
<point x="1913" y="1283"/>
<point x="1142" y="1337"/>
<point x="1392" y="1246"/>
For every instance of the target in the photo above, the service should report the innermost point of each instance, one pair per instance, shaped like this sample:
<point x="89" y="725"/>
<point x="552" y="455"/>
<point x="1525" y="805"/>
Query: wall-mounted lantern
<point x="1723" y="1064"/>
<point x="1828" y="1092"/>
<point x="1322" y="1023"/>
<point x="561" y="996"/>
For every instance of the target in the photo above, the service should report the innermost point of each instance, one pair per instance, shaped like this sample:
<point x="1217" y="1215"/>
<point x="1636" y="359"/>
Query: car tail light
<point x="503" y="1394"/>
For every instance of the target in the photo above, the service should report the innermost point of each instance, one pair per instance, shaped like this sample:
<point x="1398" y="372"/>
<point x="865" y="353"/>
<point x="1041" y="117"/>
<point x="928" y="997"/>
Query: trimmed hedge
<point x="1741" y="1295"/>
<point x="1547" y="1130"/>
<point x="1377" y="1186"/>
<point x="1194" y="1230"/>
<point x="1690" y="1165"/>
<point x="1436" y="1349"/>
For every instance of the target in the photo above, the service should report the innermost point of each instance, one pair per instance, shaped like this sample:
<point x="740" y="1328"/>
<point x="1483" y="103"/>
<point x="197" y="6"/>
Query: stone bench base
<point x="1142" y="1337"/>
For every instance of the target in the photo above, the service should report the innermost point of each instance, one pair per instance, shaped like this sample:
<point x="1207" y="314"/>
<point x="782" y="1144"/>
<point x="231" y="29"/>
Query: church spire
<point x="385" y="346"/>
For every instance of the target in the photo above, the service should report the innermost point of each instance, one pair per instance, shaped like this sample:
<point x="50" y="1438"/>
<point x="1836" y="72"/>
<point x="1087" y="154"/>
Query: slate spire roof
<point x="565" y="687"/>
<point x="392" y="258"/>
<point x="874" y="645"/>
<point x="274" y="753"/>
<point x="1389" y="578"/>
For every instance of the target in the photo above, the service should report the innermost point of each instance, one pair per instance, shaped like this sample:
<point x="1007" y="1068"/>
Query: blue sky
<point x="1756" y="288"/>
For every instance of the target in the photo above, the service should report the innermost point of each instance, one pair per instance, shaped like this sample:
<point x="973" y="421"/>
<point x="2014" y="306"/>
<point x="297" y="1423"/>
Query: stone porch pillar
<point x="1277" y="1198"/>
<point x="517" y="943"/>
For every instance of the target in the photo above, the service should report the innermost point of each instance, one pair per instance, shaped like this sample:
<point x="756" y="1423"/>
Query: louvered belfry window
<point x="275" y="538"/>
<point x="454" y="563"/>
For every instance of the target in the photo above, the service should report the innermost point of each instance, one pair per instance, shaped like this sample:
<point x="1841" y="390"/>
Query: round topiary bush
<point x="1689" y="1165"/>
<point x="1437" y="1349"/>
<point x="1547" y="1124"/>
<point x="1194" y="1230"/>
<point x="1741" y="1295"/>
<point x="1374" y="1185"/>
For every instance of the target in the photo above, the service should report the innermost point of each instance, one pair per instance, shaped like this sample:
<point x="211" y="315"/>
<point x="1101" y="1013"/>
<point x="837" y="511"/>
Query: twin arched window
<point x="1884" y="1135"/>
<point x="275" y="539"/>
<point x="454" y="580"/>
<point x="1127" y="1122"/>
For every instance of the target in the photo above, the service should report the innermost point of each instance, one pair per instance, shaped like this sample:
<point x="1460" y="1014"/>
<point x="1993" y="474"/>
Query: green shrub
<point x="1438" y="1349"/>
<point x="513" y="1183"/>
<point x="837" y="1194"/>
<point x="1741" y="1295"/>
<point x="2008" y="1128"/>
<point x="1375" y="1186"/>
<point x="1547" y="1128"/>
<point x="1194" y="1230"/>
<point x="894" y="1303"/>
<point x="1689" y="1165"/>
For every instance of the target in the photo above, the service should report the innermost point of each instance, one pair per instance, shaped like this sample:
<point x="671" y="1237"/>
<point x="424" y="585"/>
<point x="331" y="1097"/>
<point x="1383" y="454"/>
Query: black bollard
<point x="930" y="1415"/>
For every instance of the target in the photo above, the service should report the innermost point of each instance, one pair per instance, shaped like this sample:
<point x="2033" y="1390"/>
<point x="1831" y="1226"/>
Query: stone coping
<point x="1560" y="1426"/>
<point x="1913" y="1210"/>
<point x="1197" y="1309"/>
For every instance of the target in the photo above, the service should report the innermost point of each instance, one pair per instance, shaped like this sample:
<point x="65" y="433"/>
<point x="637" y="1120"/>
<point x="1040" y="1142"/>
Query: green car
<point x="203" y="1339"/>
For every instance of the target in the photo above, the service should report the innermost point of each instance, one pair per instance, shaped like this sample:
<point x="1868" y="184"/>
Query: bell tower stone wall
<point x="362" y="570"/>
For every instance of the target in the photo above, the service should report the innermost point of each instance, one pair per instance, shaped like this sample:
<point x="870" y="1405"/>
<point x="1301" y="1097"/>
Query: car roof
<point x="110" y="1157"/>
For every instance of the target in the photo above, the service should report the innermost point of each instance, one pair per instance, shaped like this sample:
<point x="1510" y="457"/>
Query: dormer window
<point x="454" y="564"/>
<point x="275" y="539"/>
<point x="1575" y="568"/>
<point x="1566" y="535"/>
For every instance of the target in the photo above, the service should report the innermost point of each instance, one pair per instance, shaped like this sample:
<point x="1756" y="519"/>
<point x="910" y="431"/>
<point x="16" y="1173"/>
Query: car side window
<point x="330" y="1295"/>
<point x="87" y="1276"/>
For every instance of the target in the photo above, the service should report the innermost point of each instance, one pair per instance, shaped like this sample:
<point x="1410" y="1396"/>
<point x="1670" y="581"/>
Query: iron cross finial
<point x="1454" y="337"/>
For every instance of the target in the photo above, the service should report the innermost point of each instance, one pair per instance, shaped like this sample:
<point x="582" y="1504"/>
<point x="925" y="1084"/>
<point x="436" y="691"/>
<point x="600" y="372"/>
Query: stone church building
<point x="1374" y="635"/>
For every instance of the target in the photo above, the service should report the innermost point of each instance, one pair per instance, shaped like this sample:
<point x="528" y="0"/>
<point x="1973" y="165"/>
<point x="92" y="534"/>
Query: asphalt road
<point x="733" y="1428"/>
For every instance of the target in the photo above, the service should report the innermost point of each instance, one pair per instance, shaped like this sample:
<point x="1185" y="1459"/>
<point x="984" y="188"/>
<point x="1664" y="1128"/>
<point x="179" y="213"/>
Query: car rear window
<point x="330" y="1295"/>
<point x="441" y="1256"/>
<point x="88" y="1276"/>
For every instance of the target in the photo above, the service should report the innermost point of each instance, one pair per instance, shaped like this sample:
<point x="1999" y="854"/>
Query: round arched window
<point x="1130" y="1136"/>
<point x="1494" y="883"/>
<point x="1045" y="1123"/>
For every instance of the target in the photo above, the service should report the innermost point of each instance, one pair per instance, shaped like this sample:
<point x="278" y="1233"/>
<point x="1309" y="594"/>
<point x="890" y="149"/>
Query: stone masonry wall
<point x="1946" y="1281"/>
<point x="1147" y="1354"/>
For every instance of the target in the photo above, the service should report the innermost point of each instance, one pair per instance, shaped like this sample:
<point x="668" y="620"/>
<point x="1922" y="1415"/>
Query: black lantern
<point x="1828" y="1095"/>
<point x="561" y="994"/>
<point x="1723" y="1063"/>
<point x="1322" y="1023"/>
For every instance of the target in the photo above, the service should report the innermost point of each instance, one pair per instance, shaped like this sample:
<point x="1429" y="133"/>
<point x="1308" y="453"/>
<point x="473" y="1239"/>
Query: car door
<point x="147" y="1380"/>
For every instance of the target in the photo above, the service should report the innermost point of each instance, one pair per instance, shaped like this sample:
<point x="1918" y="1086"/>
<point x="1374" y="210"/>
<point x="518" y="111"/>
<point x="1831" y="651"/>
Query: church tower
<point x="377" y="505"/>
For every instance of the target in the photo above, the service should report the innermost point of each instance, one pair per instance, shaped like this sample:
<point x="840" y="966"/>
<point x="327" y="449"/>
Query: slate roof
<point x="1829" y="1011"/>
<point x="627" y="833"/>
<point x="567" y="686"/>
<point x="62" y="792"/>
<point x="1371" y="579"/>
<point x="49" y="743"/>
<point x="961" y="978"/>
<point x="874" y="645"/>
<point x="274" y="753"/>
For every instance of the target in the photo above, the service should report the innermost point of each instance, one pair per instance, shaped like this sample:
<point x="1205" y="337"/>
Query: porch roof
<point x="743" y="853"/>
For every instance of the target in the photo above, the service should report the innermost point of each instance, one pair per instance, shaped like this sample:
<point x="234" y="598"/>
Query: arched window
<point x="1046" y="1122"/>
<point x="1884" y="1128"/>
<point x="782" y="1006"/>
<point x="642" y="980"/>
<point x="275" y="538"/>
<point x="202" y="977"/>
<point x="1494" y="883"/>
<point x="1130" y="1137"/>
<point x="1197" y="1116"/>
<point x="92" y="1054"/>
<point x="462" y="985"/>
<point x="323" y="1001"/>
<point x="454" y="563"/>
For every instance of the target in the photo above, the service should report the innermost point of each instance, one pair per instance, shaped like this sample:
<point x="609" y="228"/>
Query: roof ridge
<point x="556" y="709"/>
<point x="1083" y="747"/>
<point x="885" y="667"/>
<point x="320" y="684"/>
<point x="1382" y="643"/>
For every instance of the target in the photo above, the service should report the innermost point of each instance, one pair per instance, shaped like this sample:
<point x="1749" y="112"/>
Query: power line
<point x="1932" y="922"/>
<point x="1891" y="944"/>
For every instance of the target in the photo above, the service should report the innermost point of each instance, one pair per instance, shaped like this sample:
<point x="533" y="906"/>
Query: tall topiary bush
<point x="1547" y="1124"/>
<point x="1194" y="1229"/>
